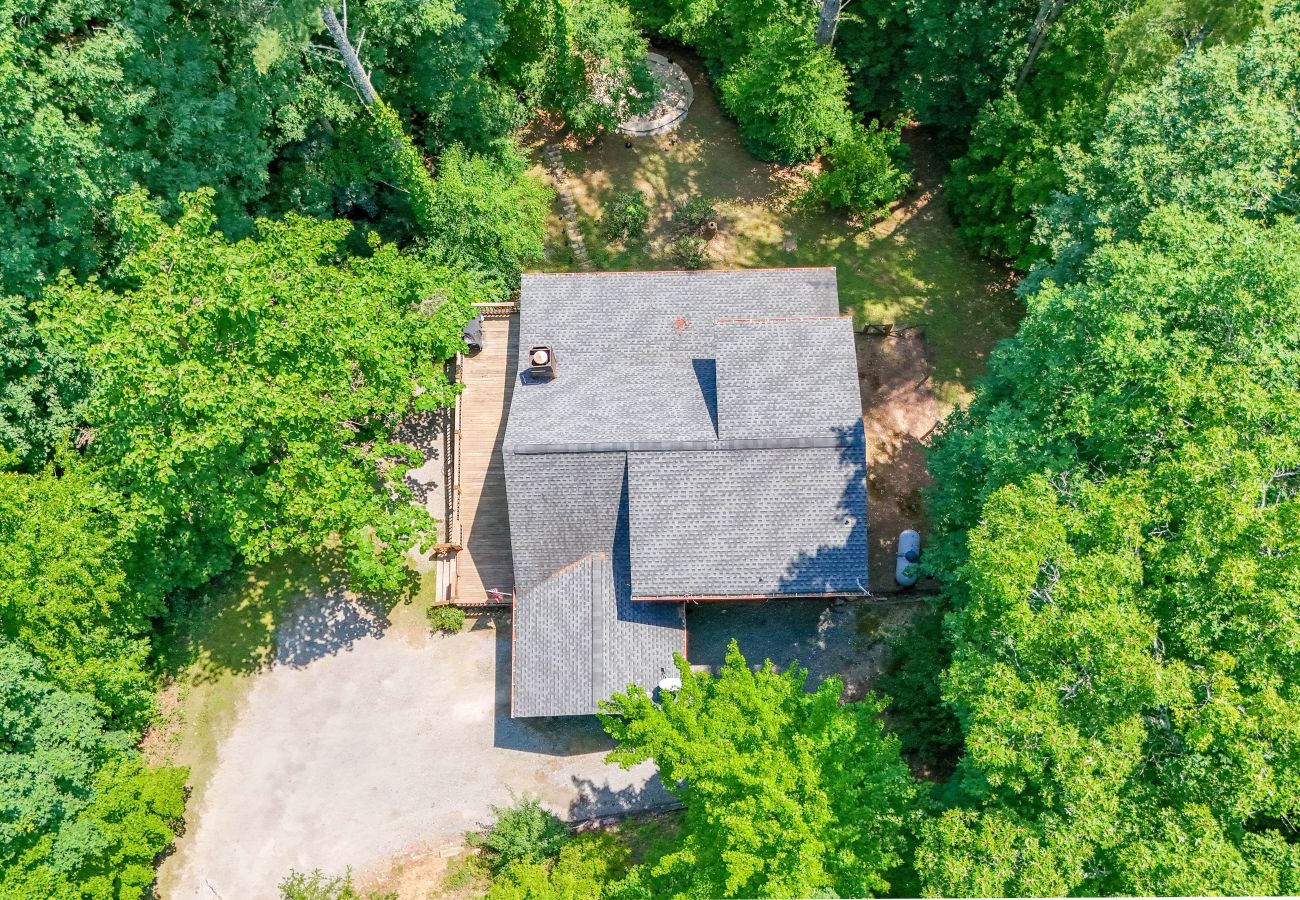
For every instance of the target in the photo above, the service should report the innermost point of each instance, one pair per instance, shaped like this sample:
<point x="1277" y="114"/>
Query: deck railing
<point x="499" y="310"/>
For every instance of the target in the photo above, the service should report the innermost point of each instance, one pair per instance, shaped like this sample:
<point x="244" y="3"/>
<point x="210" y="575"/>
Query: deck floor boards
<point x="485" y="562"/>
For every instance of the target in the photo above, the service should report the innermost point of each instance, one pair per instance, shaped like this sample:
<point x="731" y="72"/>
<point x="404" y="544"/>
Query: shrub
<point x="788" y="95"/>
<point x="866" y="174"/>
<point x="626" y="216"/>
<point x="924" y="724"/>
<point x="523" y="833"/>
<point x="316" y="885"/>
<point x="688" y="252"/>
<point x="469" y="873"/>
<point x="446" y="619"/>
<point x="585" y="867"/>
<point x="692" y="215"/>
<point x="1008" y="171"/>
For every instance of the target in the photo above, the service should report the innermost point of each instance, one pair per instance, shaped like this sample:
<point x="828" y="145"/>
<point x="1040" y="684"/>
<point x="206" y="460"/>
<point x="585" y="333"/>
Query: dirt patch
<point x="159" y="741"/>
<point x="900" y="413"/>
<point x="418" y="871"/>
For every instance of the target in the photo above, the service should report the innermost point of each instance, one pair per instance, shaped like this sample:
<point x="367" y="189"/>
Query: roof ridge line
<point x="679" y="271"/>
<point x="780" y="319"/>
<point x="806" y="442"/>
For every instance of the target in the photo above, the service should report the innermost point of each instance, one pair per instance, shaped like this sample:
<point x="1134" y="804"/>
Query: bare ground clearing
<point x="899" y="412"/>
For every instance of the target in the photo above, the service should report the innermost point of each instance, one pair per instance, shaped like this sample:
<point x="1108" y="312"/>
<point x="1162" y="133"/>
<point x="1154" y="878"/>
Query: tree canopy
<point x="83" y="816"/>
<point x="246" y="392"/>
<point x="788" y="793"/>
<point x="226" y="277"/>
<point x="1117" y="509"/>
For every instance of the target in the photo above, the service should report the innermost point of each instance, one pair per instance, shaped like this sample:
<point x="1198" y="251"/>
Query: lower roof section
<point x="786" y="522"/>
<point x="578" y="638"/>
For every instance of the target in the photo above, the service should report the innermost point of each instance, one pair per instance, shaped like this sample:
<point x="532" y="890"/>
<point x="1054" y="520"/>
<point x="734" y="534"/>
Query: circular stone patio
<point x="675" y="98"/>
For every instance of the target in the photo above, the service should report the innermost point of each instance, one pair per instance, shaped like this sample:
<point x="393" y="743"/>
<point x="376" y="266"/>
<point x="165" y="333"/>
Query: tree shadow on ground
<point x="593" y="799"/>
<point x="427" y="432"/>
<point x="547" y="735"/>
<point x="291" y="611"/>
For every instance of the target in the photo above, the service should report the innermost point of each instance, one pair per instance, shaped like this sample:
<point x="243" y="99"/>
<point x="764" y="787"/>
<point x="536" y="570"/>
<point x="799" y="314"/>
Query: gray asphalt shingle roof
<point x="586" y="640"/>
<point x="750" y="523"/>
<point x="703" y="437"/>
<point x="625" y="346"/>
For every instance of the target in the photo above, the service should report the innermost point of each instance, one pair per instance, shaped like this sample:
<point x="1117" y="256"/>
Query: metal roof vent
<point x="541" y="363"/>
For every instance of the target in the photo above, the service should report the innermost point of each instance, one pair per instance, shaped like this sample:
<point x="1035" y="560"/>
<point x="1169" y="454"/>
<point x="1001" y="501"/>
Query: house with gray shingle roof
<point x="692" y="436"/>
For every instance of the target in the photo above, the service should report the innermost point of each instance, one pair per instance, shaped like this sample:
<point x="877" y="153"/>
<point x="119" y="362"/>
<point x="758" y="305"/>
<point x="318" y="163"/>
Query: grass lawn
<point x="910" y="269"/>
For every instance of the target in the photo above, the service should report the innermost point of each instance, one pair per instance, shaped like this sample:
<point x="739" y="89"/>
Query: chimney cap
<point x="541" y="363"/>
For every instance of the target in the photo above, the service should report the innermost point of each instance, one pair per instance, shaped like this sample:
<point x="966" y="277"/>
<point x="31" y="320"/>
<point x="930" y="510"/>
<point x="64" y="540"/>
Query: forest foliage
<point x="225" y="281"/>
<point x="788" y="792"/>
<point x="789" y="93"/>
<point x="1115" y="515"/>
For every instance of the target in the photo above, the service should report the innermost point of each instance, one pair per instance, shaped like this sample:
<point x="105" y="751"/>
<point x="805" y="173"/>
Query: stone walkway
<point x="555" y="163"/>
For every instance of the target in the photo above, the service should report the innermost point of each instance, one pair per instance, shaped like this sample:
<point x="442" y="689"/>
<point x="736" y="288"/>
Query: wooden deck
<point x="485" y="563"/>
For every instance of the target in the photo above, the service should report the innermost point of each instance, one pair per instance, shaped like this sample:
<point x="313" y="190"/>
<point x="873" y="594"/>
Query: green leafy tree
<point x="788" y="793"/>
<point x="1056" y="99"/>
<point x="61" y="67"/>
<point x="66" y="546"/>
<point x="215" y="101"/>
<point x="83" y="816"/>
<point x="40" y="387"/>
<point x="1121" y="633"/>
<point x="605" y="76"/>
<point x="926" y="727"/>
<point x="431" y="62"/>
<point x="488" y="216"/>
<point x="867" y="172"/>
<point x="788" y="95"/>
<point x="961" y="53"/>
<point x="724" y="31"/>
<point x="246" y="393"/>
<point x="1217" y="134"/>
<point x="1059" y="71"/>
<point x="872" y="40"/>
<point x="585" y="867"/>
<point x="584" y="59"/>
<point x="1010" y="169"/>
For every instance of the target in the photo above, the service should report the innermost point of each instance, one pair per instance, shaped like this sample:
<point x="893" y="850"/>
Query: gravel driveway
<point x="367" y="738"/>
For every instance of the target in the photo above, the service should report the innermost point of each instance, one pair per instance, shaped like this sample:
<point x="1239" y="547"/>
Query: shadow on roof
<point x="547" y="735"/>
<point x="805" y="574"/>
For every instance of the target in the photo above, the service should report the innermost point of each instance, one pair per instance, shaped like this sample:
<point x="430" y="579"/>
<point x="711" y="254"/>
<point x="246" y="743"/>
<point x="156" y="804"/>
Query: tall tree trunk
<point x="350" y="59"/>
<point x="1113" y="76"/>
<point x="1199" y="38"/>
<point x="1048" y="12"/>
<point x="827" y="21"/>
